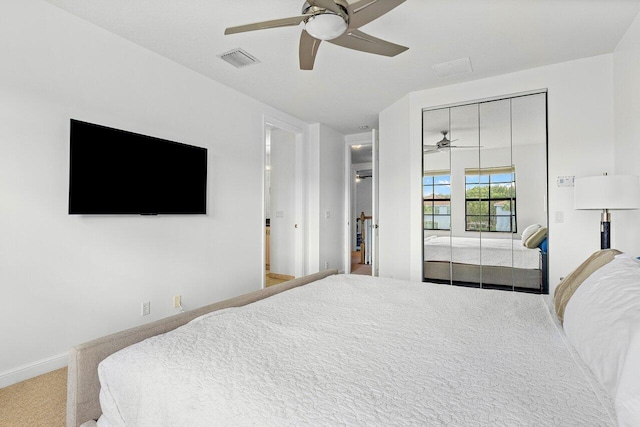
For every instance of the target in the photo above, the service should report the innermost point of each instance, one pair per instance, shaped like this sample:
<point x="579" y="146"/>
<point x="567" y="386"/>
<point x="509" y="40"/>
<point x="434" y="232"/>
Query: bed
<point x="357" y="350"/>
<point x="505" y="262"/>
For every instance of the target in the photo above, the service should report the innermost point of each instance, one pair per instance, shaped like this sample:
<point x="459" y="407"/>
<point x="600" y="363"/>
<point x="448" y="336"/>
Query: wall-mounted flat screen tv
<point x="117" y="172"/>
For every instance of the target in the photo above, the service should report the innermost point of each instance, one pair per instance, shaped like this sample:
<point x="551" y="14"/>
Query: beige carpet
<point x="38" y="402"/>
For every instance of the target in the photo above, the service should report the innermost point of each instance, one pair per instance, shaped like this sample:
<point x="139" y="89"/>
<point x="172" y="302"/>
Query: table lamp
<point x="607" y="192"/>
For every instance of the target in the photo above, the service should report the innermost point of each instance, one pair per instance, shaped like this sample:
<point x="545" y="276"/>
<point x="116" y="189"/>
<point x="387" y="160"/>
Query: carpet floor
<point x="37" y="402"/>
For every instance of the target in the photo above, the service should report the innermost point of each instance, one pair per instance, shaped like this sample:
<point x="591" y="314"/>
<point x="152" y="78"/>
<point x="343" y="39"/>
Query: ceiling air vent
<point x="239" y="58"/>
<point x="453" y="68"/>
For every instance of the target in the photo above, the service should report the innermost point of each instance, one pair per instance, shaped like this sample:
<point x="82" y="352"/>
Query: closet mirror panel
<point x="436" y="192"/>
<point x="484" y="184"/>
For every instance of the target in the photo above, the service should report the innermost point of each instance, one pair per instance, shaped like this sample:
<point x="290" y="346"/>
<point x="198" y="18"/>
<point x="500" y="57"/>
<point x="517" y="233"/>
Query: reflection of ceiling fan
<point x="337" y="22"/>
<point x="444" y="144"/>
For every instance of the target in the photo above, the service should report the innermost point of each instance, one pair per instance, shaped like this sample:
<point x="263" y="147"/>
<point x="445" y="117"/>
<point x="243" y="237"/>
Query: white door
<point x="284" y="197"/>
<point x="374" y="200"/>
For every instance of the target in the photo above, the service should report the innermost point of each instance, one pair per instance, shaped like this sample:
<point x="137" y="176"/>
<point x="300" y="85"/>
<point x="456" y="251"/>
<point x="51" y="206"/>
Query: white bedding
<point x="356" y="350"/>
<point x="485" y="251"/>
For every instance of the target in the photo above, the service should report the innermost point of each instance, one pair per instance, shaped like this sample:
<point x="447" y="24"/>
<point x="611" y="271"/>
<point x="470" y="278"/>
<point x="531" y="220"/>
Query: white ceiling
<point x="348" y="89"/>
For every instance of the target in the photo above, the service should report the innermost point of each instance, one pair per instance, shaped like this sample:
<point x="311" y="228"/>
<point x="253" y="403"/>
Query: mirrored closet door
<point x="484" y="194"/>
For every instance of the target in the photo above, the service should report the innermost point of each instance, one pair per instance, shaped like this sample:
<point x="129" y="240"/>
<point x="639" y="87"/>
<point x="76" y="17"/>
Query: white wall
<point x="282" y="215"/>
<point x="580" y="125"/>
<point x="325" y="193"/>
<point x="396" y="194"/>
<point x="67" y="279"/>
<point x="626" y="61"/>
<point x="332" y="200"/>
<point x="363" y="196"/>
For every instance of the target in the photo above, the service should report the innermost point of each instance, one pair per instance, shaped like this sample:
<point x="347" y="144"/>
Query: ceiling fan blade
<point x="365" y="11"/>
<point x="466" y="146"/>
<point x="326" y="4"/>
<point x="284" y="22"/>
<point x="308" y="48"/>
<point x="358" y="40"/>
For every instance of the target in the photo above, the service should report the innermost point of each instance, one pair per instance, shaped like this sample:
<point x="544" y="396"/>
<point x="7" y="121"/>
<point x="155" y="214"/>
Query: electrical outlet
<point x="326" y="265"/>
<point x="146" y="308"/>
<point x="177" y="301"/>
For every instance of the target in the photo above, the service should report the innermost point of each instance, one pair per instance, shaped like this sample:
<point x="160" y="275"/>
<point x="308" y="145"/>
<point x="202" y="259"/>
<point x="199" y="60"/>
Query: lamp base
<point x="605" y="230"/>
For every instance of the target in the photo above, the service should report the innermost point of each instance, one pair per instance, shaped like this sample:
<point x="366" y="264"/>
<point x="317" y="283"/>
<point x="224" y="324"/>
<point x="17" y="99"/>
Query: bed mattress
<point x="355" y="350"/>
<point x="493" y="252"/>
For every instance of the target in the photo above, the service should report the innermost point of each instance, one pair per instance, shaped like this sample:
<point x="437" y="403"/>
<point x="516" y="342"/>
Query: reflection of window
<point x="436" y="200"/>
<point x="490" y="196"/>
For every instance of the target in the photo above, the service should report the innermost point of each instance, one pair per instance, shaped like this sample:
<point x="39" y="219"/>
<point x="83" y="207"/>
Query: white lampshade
<point x="607" y="192"/>
<point x="326" y="26"/>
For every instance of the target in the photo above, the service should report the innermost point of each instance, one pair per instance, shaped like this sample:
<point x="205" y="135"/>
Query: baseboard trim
<point x="34" y="369"/>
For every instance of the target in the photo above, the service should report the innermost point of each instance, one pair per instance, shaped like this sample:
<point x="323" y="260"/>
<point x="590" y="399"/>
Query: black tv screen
<point x="117" y="172"/>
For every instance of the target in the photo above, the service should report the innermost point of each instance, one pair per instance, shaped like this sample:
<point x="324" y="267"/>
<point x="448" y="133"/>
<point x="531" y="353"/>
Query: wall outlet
<point x="177" y="301"/>
<point x="326" y="265"/>
<point x="146" y="308"/>
<point x="327" y="214"/>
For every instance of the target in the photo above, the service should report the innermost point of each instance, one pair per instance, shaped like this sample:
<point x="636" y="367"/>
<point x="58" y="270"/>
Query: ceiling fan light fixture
<point x="326" y="26"/>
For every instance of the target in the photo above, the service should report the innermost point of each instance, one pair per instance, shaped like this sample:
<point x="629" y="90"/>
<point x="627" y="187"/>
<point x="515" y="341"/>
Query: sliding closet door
<point x="491" y="206"/>
<point x="484" y="183"/>
<point x="465" y="155"/>
<point x="436" y="197"/>
<point x="529" y="128"/>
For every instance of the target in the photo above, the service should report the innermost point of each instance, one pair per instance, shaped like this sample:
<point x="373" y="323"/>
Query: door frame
<point x="300" y="249"/>
<point x="366" y="138"/>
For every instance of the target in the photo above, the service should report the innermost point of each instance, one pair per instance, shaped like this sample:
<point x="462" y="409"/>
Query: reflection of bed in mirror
<point x="492" y="262"/>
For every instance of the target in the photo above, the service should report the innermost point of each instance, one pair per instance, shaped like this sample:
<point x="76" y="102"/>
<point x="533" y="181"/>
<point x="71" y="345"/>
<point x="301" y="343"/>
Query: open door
<point x="361" y="207"/>
<point x="284" y="251"/>
<point x="374" y="200"/>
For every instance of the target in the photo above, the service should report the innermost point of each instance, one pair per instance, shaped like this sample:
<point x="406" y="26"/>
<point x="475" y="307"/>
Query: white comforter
<point x="353" y="350"/>
<point x="485" y="251"/>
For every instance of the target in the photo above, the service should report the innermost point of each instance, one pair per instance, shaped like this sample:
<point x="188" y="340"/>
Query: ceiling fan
<point x="337" y="22"/>
<point x="444" y="144"/>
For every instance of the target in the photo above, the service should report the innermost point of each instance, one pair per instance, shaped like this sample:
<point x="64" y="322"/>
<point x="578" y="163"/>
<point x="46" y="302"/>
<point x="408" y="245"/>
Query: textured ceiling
<point x="347" y="88"/>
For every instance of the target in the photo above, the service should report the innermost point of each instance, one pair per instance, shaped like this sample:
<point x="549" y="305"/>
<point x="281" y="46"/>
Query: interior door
<point x="374" y="200"/>
<point x="496" y="215"/>
<point x="283" y="201"/>
<point x="436" y="196"/>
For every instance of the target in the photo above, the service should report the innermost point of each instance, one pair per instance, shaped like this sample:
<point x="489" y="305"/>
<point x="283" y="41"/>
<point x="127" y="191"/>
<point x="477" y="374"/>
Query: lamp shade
<point x="607" y="192"/>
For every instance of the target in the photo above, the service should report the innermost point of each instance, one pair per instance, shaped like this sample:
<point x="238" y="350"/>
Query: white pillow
<point x="602" y="321"/>
<point x="529" y="231"/>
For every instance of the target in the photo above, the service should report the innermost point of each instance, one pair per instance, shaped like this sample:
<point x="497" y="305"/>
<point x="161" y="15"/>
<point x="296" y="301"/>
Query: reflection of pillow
<point x="536" y="238"/>
<point x="568" y="286"/>
<point x="544" y="245"/>
<point x="529" y="231"/>
<point x="602" y="322"/>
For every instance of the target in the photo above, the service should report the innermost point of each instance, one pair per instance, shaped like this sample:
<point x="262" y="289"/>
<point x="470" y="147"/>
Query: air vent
<point x="239" y="58"/>
<point x="453" y="68"/>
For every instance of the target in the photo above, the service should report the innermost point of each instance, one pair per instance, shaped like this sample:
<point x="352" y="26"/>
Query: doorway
<point x="283" y="248"/>
<point x="360" y="190"/>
